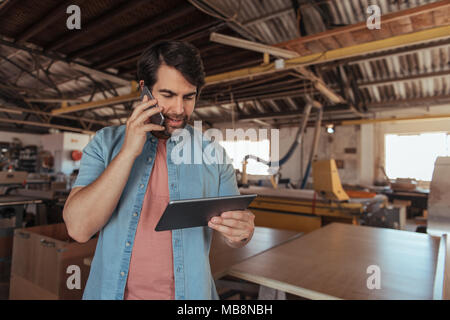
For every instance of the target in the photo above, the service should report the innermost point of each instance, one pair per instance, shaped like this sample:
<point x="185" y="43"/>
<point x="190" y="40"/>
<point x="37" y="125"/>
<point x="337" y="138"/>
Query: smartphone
<point x="156" y="118"/>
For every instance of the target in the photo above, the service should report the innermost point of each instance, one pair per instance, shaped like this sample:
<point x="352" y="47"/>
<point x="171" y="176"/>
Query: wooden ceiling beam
<point x="17" y="110"/>
<point x="136" y="31"/>
<point x="46" y="125"/>
<point x="336" y="54"/>
<point x="386" y="18"/>
<point x="92" y="26"/>
<point x="44" y="22"/>
<point x="6" y="5"/>
<point x="99" y="103"/>
<point x="130" y="55"/>
<point x="317" y="81"/>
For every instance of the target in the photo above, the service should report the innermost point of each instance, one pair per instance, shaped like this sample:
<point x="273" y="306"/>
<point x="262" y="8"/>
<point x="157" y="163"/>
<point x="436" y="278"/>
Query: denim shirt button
<point x="135" y="214"/>
<point x="127" y="244"/>
<point x="141" y="186"/>
<point x="122" y="273"/>
<point x="149" y="159"/>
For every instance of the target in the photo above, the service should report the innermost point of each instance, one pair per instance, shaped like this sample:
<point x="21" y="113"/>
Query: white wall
<point x="367" y="159"/>
<point x="26" y="138"/>
<point x="362" y="167"/>
<point x="330" y="146"/>
<point x="72" y="141"/>
<point x="59" y="144"/>
<point x="407" y="127"/>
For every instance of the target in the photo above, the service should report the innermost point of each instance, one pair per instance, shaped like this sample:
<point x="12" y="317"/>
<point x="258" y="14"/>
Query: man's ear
<point x="141" y="84"/>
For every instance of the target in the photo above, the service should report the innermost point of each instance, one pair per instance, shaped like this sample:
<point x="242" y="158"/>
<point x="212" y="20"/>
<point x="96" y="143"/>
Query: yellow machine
<point x="326" y="180"/>
<point x="307" y="210"/>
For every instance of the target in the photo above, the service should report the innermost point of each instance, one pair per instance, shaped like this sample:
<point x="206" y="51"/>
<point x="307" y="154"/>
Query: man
<point x="126" y="178"/>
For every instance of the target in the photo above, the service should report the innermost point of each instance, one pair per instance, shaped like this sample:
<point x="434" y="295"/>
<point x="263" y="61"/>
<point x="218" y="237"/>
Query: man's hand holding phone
<point x="138" y="126"/>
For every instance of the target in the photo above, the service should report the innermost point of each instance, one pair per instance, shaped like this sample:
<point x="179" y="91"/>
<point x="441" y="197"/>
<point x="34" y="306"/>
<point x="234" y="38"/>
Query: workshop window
<point x="413" y="156"/>
<point x="237" y="150"/>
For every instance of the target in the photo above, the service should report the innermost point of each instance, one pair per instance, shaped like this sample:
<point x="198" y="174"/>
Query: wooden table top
<point x="222" y="257"/>
<point x="9" y="200"/>
<point x="332" y="262"/>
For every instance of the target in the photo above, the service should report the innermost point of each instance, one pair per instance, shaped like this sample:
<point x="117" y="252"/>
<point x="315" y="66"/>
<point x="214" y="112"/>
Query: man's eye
<point x="167" y="96"/>
<point x="189" y="98"/>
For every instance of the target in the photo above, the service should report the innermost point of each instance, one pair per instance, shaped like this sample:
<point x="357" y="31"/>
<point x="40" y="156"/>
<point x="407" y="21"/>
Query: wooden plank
<point x="382" y="33"/>
<point x="282" y="286"/>
<point x="222" y="257"/>
<point x="439" y="276"/>
<point x="442" y="17"/>
<point x="346" y="210"/>
<point x="345" y="39"/>
<point x="294" y="194"/>
<point x="334" y="259"/>
<point x="446" y="291"/>
<point x="422" y="21"/>
<point x="99" y="103"/>
<point x="362" y="36"/>
<point x="401" y="26"/>
<point x="330" y="43"/>
<point x="286" y="221"/>
<point x="342" y="53"/>
<point x="315" y="46"/>
<point x="391" y="17"/>
<point x="299" y="48"/>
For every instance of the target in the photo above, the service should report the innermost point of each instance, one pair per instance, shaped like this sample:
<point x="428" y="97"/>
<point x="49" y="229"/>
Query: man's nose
<point x="178" y="106"/>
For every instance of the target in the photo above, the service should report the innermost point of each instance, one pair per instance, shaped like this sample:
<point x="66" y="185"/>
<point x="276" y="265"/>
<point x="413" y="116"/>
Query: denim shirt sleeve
<point x="227" y="184"/>
<point x="92" y="162"/>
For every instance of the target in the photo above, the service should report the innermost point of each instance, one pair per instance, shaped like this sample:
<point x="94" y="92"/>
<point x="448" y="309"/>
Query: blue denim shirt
<point x="192" y="271"/>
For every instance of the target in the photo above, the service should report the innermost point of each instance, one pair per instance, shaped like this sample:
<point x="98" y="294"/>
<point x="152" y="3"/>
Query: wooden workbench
<point x="222" y="257"/>
<point x="332" y="262"/>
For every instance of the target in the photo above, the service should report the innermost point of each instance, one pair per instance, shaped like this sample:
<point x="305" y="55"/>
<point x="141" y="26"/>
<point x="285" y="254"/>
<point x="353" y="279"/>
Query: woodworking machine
<point x="305" y="210"/>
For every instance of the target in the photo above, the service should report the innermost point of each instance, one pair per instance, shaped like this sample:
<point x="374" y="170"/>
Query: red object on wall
<point x="76" y="155"/>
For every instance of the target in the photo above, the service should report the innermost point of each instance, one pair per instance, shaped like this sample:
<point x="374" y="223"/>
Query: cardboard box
<point x="4" y="290"/>
<point x="40" y="260"/>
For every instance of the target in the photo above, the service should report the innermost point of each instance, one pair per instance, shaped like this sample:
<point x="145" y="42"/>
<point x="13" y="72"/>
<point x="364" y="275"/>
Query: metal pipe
<point x="313" y="153"/>
<point x="298" y="140"/>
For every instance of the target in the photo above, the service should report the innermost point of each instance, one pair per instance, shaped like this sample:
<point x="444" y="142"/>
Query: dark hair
<point x="181" y="55"/>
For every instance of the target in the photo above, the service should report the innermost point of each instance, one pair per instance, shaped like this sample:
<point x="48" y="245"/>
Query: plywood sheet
<point x="286" y="221"/>
<point x="333" y="262"/>
<point x="222" y="256"/>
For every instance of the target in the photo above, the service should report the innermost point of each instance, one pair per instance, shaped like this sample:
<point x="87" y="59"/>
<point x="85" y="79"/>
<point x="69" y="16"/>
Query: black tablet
<point x="189" y="213"/>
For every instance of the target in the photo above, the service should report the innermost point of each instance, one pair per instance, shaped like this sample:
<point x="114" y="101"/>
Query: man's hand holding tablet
<point x="235" y="226"/>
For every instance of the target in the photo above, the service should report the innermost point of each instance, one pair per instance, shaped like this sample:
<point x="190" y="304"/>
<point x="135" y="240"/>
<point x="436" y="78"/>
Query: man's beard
<point x="167" y="117"/>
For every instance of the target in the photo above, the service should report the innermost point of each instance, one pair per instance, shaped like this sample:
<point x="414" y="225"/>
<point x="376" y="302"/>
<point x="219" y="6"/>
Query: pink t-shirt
<point x="150" y="276"/>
